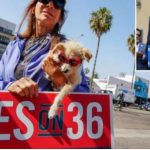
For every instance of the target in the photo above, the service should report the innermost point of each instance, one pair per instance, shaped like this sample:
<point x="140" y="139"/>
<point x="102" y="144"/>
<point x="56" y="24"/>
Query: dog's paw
<point x="53" y="112"/>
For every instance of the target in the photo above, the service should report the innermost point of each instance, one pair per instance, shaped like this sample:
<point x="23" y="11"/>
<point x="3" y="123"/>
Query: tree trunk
<point x="97" y="50"/>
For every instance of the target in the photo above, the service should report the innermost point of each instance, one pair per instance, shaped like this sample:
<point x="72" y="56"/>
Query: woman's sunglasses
<point x="59" y="4"/>
<point x="138" y="35"/>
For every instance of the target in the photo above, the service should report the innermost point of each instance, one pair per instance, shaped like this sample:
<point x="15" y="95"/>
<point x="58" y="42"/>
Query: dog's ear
<point x="86" y="54"/>
<point x="58" y="47"/>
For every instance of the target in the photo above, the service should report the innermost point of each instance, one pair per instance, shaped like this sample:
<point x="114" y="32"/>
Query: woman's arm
<point x="24" y="87"/>
<point x="3" y="64"/>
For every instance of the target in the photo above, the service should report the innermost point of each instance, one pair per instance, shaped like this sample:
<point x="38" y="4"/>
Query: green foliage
<point x="96" y="75"/>
<point x="131" y="43"/>
<point x="101" y="21"/>
<point x="86" y="70"/>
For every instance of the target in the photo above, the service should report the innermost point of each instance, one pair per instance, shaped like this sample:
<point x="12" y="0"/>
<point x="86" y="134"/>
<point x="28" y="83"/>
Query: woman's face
<point x="47" y="15"/>
<point x="138" y="36"/>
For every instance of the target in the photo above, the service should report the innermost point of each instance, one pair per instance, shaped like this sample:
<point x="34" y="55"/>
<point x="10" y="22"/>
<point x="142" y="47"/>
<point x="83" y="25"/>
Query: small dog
<point x="68" y="57"/>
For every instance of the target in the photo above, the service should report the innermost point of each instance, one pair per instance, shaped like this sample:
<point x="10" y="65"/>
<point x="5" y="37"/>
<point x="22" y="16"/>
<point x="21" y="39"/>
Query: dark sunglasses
<point x="72" y="62"/>
<point x="59" y="4"/>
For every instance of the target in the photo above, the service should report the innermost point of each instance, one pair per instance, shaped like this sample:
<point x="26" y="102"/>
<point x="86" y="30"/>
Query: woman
<point x="20" y="66"/>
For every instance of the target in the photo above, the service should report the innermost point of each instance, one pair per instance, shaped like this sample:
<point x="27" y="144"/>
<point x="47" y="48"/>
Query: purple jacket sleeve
<point x="3" y="62"/>
<point x="83" y="87"/>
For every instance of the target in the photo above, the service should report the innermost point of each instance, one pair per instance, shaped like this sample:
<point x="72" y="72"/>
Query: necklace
<point x="33" y="45"/>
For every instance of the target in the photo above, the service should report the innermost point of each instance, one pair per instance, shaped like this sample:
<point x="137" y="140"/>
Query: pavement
<point x="132" y="129"/>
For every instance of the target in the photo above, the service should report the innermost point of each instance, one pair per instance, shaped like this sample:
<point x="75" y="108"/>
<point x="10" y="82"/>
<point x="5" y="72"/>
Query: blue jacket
<point x="33" y="70"/>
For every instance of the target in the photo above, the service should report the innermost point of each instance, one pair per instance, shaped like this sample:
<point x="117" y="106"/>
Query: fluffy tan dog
<point x="66" y="58"/>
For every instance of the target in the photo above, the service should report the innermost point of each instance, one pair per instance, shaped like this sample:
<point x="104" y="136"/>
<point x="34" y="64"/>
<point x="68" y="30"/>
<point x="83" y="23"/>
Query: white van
<point x="129" y="94"/>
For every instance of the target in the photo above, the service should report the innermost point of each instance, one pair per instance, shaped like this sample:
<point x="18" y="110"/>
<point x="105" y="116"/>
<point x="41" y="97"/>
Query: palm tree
<point x="131" y="45"/>
<point x="100" y="23"/>
<point x="96" y="75"/>
<point x="86" y="70"/>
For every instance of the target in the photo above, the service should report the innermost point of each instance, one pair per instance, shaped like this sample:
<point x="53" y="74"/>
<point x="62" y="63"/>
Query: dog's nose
<point x="65" y="71"/>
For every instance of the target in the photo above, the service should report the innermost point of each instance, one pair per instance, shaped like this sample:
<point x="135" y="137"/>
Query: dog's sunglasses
<point x="72" y="61"/>
<point x="59" y="4"/>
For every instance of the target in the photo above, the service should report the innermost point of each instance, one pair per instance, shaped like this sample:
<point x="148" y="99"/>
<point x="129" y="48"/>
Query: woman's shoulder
<point x="56" y="39"/>
<point x="18" y="37"/>
<point x="61" y="37"/>
<point x="16" y="40"/>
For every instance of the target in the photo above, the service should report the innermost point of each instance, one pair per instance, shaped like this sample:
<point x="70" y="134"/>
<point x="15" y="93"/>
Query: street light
<point x="81" y="35"/>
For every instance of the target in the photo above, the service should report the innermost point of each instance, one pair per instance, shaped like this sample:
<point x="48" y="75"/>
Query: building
<point x="6" y="33"/>
<point x="143" y="17"/>
<point x="141" y="86"/>
<point x="99" y="84"/>
<point x="102" y="84"/>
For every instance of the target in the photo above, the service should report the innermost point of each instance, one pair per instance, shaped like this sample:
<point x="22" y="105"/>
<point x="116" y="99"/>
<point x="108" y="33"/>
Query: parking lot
<point x="131" y="128"/>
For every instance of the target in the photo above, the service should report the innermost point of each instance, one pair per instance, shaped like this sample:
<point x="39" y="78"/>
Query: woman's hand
<point x="24" y="87"/>
<point x="53" y="71"/>
<point x="49" y="66"/>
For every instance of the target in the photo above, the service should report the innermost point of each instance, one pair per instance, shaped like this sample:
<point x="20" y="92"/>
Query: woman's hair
<point x="140" y="31"/>
<point x="30" y="18"/>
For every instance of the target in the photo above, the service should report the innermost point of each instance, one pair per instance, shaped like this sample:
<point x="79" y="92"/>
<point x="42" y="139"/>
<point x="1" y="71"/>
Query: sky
<point x="114" y="56"/>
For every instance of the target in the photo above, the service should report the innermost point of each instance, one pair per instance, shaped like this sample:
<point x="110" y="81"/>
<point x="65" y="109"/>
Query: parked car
<point x="142" y="106"/>
<point x="106" y="91"/>
<point x="145" y="106"/>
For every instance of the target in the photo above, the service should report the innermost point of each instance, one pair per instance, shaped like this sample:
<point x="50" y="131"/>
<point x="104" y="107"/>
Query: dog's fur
<point x="70" y="75"/>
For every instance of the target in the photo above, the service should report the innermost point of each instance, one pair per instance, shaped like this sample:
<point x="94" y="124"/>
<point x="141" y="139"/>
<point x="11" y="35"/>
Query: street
<point x="131" y="128"/>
